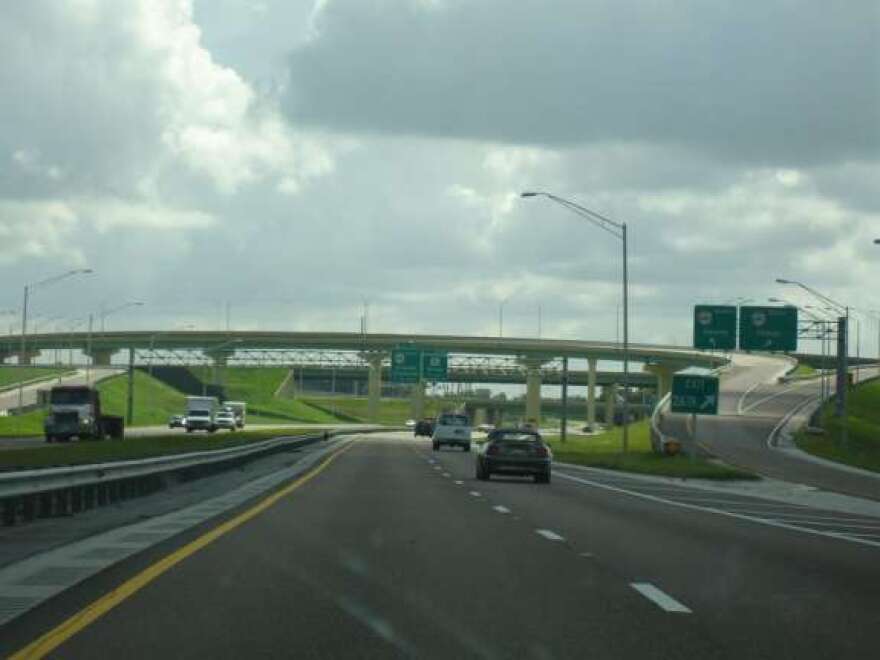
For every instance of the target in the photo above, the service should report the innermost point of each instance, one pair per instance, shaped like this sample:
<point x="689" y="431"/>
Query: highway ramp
<point x="752" y="407"/>
<point x="393" y="550"/>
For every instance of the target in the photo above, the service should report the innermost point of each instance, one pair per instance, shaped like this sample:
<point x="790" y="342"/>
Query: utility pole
<point x="129" y="402"/>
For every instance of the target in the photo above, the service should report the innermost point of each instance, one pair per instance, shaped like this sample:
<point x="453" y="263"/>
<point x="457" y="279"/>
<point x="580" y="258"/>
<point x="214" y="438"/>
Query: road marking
<point x="549" y="535"/>
<point x="721" y="512"/>
<point x="770" y="397"/>
<point x="475" y="493"/>
<point x="586" y="554"/>
<point x="447" y="475"/>
<point x="51" y="640"/>
<point x="501" y="509"/>
<point x="459" y="483"/>
<point x="437" y="467"/>
<point x="664" y="601"/>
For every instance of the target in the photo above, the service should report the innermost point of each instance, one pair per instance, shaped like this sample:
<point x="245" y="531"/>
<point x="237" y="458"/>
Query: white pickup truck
<point x="452" y="429"/>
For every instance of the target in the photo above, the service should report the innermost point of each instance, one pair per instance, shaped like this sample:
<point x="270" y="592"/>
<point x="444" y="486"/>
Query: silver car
<point x="225" y="420"/>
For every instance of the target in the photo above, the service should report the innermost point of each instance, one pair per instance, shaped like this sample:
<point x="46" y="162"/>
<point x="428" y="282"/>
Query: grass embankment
<point x="79" y="453"/>
<point x="603" y="451"/>
<point x="391" y="411"/>
<point x="13" y="375"/>
<point x="257" y="386"/>
<point x="803" y="370"/>
<point x="154" y="402"/>
<point x="862" y="446"/>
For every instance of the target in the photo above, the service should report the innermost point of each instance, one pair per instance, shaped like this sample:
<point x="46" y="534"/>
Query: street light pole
<point x="24" y="309"/>
<point x="619" y="231"/>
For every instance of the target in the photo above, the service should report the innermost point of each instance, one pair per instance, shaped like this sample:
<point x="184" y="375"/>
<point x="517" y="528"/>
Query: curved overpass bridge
<point x="373" y="352"/>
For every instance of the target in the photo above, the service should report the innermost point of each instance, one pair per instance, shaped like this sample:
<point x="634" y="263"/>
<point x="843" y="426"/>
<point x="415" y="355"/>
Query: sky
<point x="295" y="161"/>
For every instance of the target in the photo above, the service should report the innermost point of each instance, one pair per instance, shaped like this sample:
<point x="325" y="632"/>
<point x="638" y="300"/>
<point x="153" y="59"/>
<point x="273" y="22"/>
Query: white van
<point x="452" y="429"/>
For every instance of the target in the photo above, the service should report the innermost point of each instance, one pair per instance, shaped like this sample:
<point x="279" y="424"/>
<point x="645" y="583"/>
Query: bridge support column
<point x="27" y="358"/>
<point x="417" y="401"/>
<point x="591" y="391"/>
<point x="101" y="356"/>
<point x="374" y="385"/>
<point x="664" y="378"/>
<point x="533" y="390"/>
<point x="610" y="403"/>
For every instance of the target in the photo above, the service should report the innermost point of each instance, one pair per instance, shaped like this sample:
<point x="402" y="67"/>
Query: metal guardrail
<point x="43" y="493"/>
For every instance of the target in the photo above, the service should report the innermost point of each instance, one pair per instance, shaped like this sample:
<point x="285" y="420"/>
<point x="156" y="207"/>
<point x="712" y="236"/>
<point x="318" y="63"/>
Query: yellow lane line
<point x="89" y="614"/>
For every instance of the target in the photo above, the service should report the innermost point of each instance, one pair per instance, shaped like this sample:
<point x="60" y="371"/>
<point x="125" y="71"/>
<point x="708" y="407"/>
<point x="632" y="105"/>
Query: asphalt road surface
<point x="393" y="550"/>
<point x="752" y="405"/>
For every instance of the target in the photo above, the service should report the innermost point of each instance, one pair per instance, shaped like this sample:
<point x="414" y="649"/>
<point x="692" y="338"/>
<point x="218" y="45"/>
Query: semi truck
<point x="200" y="413"/>
<point x="239" y="409"/>
<point x="75" y="411"/>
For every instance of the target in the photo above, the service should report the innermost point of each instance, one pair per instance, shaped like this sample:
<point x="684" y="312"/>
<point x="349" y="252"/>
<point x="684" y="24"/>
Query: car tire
<point x="436" y="446"/>
<point x="481" y="473"/>
<point x="49" y="438"/>
<point x="543" y="478"/>
<point x="466" y="447"/>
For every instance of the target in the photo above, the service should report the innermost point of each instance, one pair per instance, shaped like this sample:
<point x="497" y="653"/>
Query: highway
<point x="392" y="550"/>
<point x="752" y="406"/>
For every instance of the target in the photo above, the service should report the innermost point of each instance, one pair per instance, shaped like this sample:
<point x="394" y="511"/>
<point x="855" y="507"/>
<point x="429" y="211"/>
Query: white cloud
<point x="38" y="230"/>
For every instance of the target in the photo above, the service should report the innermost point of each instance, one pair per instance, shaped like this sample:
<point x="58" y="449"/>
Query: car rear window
<point x="513" y="436"/>
<point x="454" y="420"/>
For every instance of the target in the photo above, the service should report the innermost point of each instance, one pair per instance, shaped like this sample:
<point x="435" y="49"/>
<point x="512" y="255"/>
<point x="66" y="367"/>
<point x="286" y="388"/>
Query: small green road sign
<point x="768" y="328"/>
<point x="715" y="327"/>
<point x="694" y="394"/>
<point x="405" y="365"/>
<point x="435" y="365"/>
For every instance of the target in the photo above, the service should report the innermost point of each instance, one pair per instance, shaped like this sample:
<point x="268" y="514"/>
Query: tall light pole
<point x="107" y="312"/>
<point x="619" y="231"/>
<point x="24" y="307"/>
<point x="501" y="305"/>
<point x="842" y="344"/>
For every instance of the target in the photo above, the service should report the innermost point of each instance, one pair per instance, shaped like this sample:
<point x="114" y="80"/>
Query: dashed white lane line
<point x="549" y="535"/>
<point x="662" y="600"/>
<point x="437" y="467"/>
<point x="501" y="509"/>
<point x="459" y="482"/>
<point x="475" y="493"/>
<point x="586" y="554"/>
<point x="447" y="475"/>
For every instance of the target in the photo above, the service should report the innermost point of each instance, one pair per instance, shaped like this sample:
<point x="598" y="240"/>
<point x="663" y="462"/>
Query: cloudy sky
<point x="291" y="159"/>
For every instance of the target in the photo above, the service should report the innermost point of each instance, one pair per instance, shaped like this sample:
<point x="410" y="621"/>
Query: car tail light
<point x="493" y="450"/>
<point x="541" y="451"/>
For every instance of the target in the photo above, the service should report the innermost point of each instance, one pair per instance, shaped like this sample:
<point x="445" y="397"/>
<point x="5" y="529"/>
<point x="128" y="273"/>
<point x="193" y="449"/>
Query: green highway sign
<point x="715" y="327"/>
<point x="768" y="328"/>
<point x="693" y="394"/>
<point x="410" y="365"/>
<point x="435" y="365"/>
<point x="405" y="365"/>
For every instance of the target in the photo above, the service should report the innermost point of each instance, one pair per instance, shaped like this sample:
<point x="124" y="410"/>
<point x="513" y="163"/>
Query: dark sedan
<point x="424" y="427"/>
<point x="515" y="452"/>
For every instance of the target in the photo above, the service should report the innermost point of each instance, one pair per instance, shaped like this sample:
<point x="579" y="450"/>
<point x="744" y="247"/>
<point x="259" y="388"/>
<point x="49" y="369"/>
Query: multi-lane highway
<point x="753" y="407"/>
<point x="387" y="549"/>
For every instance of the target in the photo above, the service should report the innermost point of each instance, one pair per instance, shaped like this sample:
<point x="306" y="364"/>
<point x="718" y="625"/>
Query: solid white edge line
<point x="740" y="516"/>
<point x="549" y="535"/>
<point x="662" y="600"/>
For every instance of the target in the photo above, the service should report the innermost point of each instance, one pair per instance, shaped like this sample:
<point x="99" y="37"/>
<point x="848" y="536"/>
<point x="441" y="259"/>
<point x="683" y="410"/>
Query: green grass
<point x="79" y="453"/>
<point x="391" y="411"/>
<point x="803" y="370"/>
<point x="257" y="386"/>
<point x="862" y="445"/>
<point x="603" y="451"/>
<point x="12" y="375"/>
<point x="154" y="402"/>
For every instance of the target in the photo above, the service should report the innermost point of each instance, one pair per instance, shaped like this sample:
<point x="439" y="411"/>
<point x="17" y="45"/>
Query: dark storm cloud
<point x="774" y="82"/>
